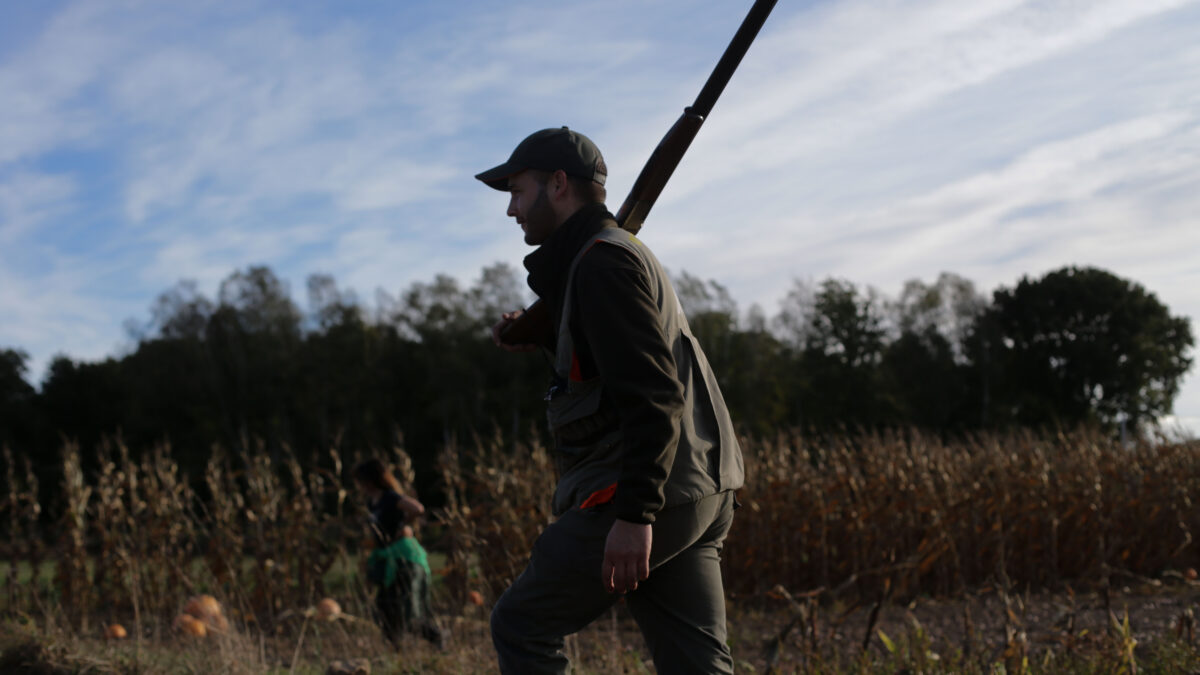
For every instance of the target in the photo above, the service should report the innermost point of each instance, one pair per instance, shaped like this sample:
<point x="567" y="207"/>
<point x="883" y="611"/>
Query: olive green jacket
<point x="637" y="411"/>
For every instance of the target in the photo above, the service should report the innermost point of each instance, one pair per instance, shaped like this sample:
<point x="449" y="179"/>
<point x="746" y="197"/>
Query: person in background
<point x="398" y="565"/>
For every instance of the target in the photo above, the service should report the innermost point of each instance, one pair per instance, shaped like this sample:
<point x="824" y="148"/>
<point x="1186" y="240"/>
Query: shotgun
<point x="534" y="325"/>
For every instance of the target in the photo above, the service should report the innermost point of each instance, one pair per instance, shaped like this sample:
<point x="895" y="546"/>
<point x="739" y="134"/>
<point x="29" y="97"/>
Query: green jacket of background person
<point x="646" y="452"/>
<point x="398" y="565"/>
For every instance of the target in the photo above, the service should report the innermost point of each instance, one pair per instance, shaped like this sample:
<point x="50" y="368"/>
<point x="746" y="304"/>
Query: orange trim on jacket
<point x="599" y="497"/>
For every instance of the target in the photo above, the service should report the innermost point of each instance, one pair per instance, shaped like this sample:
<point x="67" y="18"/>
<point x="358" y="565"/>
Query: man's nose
<point x="512" y="208"/>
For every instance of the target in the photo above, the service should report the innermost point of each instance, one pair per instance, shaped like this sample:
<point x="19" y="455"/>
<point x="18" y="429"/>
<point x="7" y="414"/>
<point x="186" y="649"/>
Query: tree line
<point x="1077" y="346"/>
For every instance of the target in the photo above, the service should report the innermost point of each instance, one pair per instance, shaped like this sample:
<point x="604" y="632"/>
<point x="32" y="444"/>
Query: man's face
<point x="530" y="205"/>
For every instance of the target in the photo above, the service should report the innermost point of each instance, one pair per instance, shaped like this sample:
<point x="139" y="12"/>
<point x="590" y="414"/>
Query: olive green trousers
<point x="680" y="608"/>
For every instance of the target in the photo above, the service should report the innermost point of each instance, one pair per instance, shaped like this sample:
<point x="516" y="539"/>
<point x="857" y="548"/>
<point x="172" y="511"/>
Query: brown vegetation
<point x="836" y="534"/>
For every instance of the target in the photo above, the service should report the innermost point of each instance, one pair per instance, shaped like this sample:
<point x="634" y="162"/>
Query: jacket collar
<point x="548" y="265"/>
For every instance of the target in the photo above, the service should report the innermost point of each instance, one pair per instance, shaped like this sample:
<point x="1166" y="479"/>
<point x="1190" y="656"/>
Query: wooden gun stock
<point x="654" y="176"/>
<point x="533" y="326"/>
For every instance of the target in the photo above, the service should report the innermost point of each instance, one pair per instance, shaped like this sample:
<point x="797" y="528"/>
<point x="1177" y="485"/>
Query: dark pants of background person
<point x="680" y="608"/>
<point x="405" y="606"/>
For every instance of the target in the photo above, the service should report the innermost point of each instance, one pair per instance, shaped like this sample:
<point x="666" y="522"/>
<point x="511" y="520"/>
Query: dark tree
<point x="461" y="384"/>
<point x="181" y="312"/>
<point x="745" y="358"/>
<point x="924" y="382"/>
<point x="712" y="315"/>
<point x="926" y="369"/>
<point x="253" y="338"/>
<point x="17" y="424"/>
<point x="1081" y="345"/>
<point x="753" y="379"/>
<point x="947" y="308"/>
<point x="838" y="336"/>
<point x="13" y="387"/>
<point x="84" y="402"/>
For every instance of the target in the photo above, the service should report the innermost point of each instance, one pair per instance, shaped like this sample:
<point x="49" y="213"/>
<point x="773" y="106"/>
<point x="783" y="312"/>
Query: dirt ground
<point x="978" y="624"/>
<point x="764" y="631"/>
<point x="981" y="623"/>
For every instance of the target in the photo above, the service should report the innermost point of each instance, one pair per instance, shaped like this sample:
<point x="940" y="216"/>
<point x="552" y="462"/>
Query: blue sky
<point x="142" y="143"/>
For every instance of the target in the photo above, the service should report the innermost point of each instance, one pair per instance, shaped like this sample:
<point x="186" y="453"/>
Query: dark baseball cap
<point x="551" y="150"/>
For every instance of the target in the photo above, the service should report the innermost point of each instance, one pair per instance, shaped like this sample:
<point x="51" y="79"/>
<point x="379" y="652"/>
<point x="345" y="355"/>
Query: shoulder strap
<point x="564" y="349"/>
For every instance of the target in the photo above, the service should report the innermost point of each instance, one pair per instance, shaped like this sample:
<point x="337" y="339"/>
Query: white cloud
<point x="42" y="88"/>
<point x="28" y="199"/>
<point x="883" y="62"/>
<point x="213" y="254"/>
<point x="874" y="141"/>
<point x="58" y="313"/>
<point x="1074" y="183"/>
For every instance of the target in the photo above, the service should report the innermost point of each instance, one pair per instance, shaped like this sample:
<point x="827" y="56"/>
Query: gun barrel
<point x="670" y="150"/>
<point x="732" y="57"/>
<point x="653" y="178"/>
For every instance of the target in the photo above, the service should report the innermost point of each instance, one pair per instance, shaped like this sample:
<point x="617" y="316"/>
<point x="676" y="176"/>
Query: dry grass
<point x="848" y="527"/>
<point x="907" y="510"/>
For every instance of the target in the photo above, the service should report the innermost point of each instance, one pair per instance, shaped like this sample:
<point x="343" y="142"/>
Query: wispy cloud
<point x="837" y="175"/>
<point x="28" y="199"/>
<point x="853" y="69"/>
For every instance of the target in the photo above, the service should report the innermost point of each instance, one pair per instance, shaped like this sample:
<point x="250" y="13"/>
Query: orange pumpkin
<point x="115" y="632"/>
<point x="190" y="626"/>
<point x="217" y="624"/>
<point x="328" y="609"/>
<point x="203" y="607"/>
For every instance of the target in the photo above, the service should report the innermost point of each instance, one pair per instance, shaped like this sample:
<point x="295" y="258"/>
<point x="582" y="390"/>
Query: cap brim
<point x="497" y="177"/>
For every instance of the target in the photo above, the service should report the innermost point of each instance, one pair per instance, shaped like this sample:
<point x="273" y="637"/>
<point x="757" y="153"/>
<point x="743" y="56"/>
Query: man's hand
<point x="505" y="321"/>
<point x="626" y="556"/>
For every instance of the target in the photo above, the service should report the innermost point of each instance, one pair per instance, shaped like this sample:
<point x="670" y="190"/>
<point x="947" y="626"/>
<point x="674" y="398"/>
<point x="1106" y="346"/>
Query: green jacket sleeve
<point x="616" y="325"/>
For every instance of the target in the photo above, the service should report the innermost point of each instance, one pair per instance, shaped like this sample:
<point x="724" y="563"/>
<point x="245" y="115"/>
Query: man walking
<point x="644" y="446"/>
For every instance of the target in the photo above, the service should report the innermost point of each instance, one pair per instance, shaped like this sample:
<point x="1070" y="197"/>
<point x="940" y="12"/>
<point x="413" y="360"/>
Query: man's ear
<point x="559" y="183"/>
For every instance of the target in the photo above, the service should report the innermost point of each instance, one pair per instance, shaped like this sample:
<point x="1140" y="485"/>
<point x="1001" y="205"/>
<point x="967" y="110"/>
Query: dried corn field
<point x="854" y="513"/>
<point x="935" y="518"/>
<point x="833" y="526"/>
